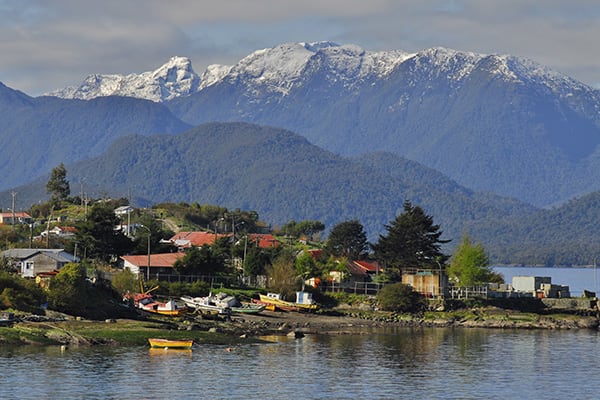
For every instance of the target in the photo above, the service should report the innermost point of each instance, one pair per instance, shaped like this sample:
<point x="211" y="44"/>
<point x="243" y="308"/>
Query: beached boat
<point x="146" y="302"/>
<point x="304" y="302"/>
<point x="236" y="306"/>
<point x="171" y="343"/>
<point x="7" y="319"/>
<point x="205" y="304"/>
<point x="248" y="308"/>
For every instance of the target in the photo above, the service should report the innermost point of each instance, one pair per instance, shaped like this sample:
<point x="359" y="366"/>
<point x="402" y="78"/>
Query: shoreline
<point x="249" y="328"/>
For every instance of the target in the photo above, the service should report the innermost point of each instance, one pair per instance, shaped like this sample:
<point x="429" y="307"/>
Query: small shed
<point x="430" y="283"/>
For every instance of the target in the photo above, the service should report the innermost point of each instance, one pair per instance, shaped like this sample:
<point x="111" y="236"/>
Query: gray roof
<point x="59" y="255"/>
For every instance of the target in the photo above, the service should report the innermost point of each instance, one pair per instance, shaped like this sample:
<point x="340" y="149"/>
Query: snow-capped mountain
<point x="493" y="123"/>
<point x="284" y="67"/>
<point x="174" y="78"/>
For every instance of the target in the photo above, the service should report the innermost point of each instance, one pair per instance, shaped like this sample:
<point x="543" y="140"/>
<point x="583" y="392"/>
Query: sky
<point x="50" y="44"/>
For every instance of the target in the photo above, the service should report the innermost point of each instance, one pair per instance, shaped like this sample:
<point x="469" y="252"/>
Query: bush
<point x="125" y="281"/>
<point x="399" y="297"/>
<point x="67" y="293"/>
<point x="20" y="294"/>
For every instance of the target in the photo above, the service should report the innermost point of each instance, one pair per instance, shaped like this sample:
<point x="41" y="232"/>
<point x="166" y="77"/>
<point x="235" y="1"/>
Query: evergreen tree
<point x="348" y="239"/>
<point x="58" y="186"/>
<point x="98" y="237"/>
<point x="201" y="261"/>
<point x="412" y="241"/>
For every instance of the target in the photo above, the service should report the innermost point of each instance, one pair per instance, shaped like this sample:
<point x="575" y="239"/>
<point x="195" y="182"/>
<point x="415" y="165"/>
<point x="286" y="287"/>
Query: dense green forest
<point x="283" y="177"/>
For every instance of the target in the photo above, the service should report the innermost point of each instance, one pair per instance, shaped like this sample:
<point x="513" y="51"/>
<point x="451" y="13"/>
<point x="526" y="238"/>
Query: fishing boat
<point x="146" y="302"/>
<point x="236" y="306"/>
<point x="170" y="343"/>
<point x="7" y="319"/>
<point x="205" y="305"/>
<point x="304" y="302"/>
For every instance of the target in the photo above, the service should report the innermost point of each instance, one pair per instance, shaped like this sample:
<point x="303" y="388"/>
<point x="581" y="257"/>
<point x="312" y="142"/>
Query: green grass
<point x="126" y="332"/>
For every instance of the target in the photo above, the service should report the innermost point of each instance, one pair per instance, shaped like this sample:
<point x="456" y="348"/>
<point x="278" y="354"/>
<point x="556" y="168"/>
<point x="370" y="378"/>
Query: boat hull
<point x="249" y="309"/>
<point x="285" y="305"/>
<point x="170" y="343"/>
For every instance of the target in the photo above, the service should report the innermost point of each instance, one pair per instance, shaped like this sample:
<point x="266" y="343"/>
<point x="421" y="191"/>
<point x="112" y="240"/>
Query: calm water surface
<point x="431" y="363"/>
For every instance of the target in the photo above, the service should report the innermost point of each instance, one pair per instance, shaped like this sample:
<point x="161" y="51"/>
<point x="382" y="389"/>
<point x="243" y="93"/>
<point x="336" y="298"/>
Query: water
<point x="432" y="363"/>
<point x="578" y="279"/>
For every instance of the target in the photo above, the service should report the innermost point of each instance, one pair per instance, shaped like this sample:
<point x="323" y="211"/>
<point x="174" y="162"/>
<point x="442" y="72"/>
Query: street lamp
<point x="148" y="268"/>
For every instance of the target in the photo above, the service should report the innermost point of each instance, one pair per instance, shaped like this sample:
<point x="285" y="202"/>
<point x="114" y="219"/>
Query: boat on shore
<point x="146" y="302"/>
<point x="205" y="305"/>
<point x="156" y="343"/>
<point x="248" y="308"/>
<point x="7" y="319"/>
<point x="235" y="305"/>
<point x="304" y="302"/>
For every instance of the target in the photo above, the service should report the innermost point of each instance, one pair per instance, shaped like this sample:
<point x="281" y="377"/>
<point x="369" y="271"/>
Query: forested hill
<point x="281" y="176"/>
<point x="566" y="235"/>
<point x="39" y="133"/>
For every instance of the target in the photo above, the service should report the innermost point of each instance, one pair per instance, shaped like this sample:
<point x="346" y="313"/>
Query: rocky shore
<point x="352" y="322"/>
<point x="68" y="330"/>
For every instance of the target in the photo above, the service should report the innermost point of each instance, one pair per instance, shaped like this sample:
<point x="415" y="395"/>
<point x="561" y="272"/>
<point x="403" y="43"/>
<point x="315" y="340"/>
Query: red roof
<point x="198" y="239"/>
<point x="368" y="266"/>
<point x="263" y="240"/>
<point x="164" y="260"/>
<point x="315" y="253"/>
<point x="356" y="270"/>
<point x="68" y="229"/>
<point x="16" y="214"/>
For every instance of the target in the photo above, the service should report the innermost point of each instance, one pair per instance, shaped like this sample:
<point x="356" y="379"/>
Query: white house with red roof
<point x="159" y="263"/>
<point x="184" y="240"/>
<point x="10" y="218"/>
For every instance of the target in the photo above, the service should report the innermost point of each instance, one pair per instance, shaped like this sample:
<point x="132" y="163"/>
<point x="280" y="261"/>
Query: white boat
<point x="205" y="304"/>
<point x="235" y="305"/>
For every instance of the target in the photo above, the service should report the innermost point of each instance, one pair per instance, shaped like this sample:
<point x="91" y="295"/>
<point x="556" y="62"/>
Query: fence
<point x="467" y="292"/>
<point x="368" y="288"/>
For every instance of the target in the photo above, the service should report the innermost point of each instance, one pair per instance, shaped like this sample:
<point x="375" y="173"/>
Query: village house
<point x="31" y="262"/>
<point x="123" y="210"/>
<point x="263" y="240"/>
<point x="159" y="263"/>
<point x="10" y="218"/>
<point x="65" y="232"/>
<point x="186" y="240"/>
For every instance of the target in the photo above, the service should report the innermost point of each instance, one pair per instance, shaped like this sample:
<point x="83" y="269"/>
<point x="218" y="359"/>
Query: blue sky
<point x="49" y="44"/>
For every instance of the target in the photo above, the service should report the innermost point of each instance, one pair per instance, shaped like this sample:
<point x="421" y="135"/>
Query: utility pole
<point x="13" y="194"/>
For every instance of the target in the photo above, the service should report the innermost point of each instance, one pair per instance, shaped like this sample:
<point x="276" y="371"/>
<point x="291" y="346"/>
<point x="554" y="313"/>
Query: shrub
<point x="399" y="297"/>
<point x="20" y="294"/>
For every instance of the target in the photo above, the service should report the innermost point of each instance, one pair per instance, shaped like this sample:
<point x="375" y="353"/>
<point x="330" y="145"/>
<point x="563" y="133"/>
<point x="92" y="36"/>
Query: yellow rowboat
<point x="171" y="343"/>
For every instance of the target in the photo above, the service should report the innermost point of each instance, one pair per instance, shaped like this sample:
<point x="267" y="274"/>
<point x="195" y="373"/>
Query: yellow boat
<point x="305" y="304"/>
<point x="171" y="343"/>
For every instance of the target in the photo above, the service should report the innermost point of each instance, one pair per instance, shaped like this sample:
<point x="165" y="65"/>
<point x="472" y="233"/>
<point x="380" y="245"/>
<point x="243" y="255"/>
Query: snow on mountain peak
<point x="281" y="68"/>
<point x="174" y="78"/>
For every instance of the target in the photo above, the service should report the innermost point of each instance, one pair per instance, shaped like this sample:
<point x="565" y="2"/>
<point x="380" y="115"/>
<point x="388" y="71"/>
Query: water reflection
<point x="391" y="363"/>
